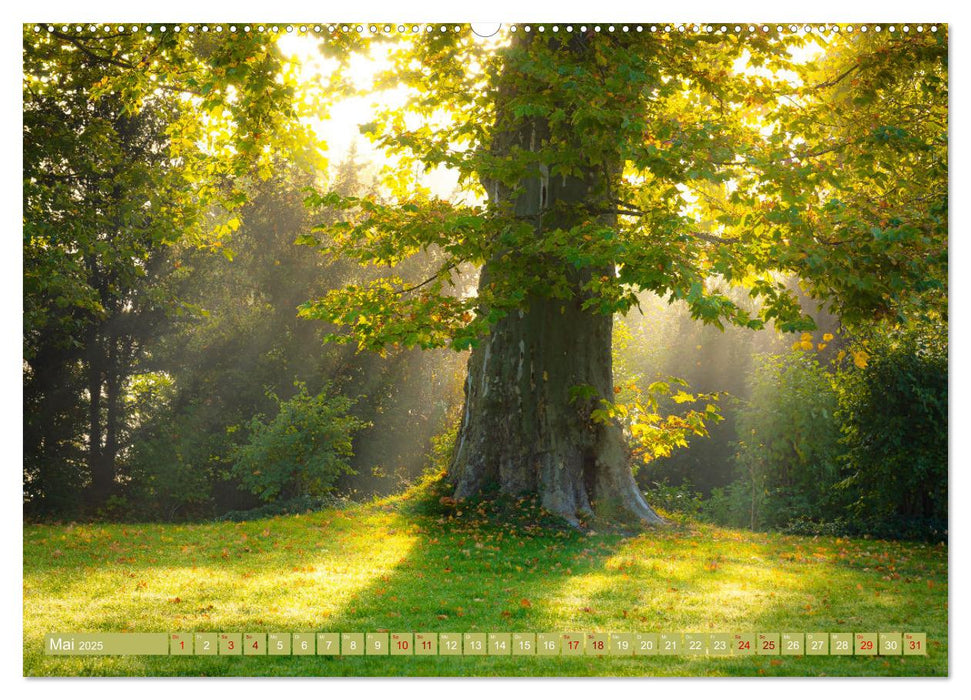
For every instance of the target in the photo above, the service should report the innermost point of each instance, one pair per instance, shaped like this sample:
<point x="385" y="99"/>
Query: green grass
<point x="412" y="564"/>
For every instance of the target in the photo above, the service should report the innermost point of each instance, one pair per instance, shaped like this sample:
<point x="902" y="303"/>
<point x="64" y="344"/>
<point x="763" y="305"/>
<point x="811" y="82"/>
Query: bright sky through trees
<point x="339" y="130"/>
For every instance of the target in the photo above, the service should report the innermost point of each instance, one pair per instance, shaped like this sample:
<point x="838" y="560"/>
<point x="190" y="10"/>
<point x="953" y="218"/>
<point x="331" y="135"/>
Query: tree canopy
<point x="136" y="134"/>
<point x="739" y="156"/>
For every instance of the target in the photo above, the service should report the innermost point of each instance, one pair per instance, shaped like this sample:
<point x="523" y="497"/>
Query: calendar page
<point x="515" y="349"/>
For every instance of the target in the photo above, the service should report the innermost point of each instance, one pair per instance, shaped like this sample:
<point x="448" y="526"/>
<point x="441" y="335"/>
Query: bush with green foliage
<point x="788" y="449"/>
<point x="175" y="463"/>
<point x="302" y="450"/>
<point x="730" y="505"/>
<point x="862" y="451"/>
<point x="679" y="499"/>
<point x="893" y="412"/>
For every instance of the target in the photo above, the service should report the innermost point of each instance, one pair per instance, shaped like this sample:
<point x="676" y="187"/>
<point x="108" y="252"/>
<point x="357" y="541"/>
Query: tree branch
<point x="91" y="54"/>
<point x="794" y="156"/>
<point x="438" y="273"/>
<point x="714" y="239"/>
<point x="835" y="81"/>
<point x="630" y="210"/>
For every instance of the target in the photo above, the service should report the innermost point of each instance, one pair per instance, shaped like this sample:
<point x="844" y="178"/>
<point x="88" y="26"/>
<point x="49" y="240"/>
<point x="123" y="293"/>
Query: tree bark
<point x="522" y="430"/>
<point x="101" y="471"/>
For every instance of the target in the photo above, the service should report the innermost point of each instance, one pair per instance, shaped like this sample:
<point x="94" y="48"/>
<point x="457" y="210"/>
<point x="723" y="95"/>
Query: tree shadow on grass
<point x="428" y="564"/>
<point x="478" y="566"/>
<point x="482" y="572"/>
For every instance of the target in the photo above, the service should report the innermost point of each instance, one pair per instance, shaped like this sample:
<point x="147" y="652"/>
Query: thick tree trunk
<point x="520" y="431"/>
<point x="523" y="430"/>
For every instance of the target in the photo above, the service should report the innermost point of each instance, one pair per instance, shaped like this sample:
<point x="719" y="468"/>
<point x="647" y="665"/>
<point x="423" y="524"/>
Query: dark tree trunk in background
<point x="520" y="431"/>
<point x="113" y="381"/>
<point x="100" y="355"/>
<point x="111" y="357"/>
<point x="101" y="472"/>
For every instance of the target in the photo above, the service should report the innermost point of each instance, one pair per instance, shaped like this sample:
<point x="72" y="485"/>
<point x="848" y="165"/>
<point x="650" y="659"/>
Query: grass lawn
<point x="413" y="564"/>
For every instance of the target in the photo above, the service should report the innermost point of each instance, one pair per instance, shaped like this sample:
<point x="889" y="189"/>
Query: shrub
<point x="731" y="505"/>
<point x="788" y="443"/>
<point x="893" y="410"/>
<point x="176" y="455"/>
<point x="302" y="450"/>
<point x="681" y="499"/>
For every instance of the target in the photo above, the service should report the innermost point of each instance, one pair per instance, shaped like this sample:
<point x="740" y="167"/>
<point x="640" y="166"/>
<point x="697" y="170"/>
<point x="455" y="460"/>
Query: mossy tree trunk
<point x="523" y="431"/>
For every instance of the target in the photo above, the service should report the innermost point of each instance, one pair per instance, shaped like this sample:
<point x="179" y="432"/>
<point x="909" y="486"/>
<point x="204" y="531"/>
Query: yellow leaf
<point x="860" y="358"/>
<point x="821" y="346"/>
<point x="827" y="337"/>
<point x="682" y="397"/>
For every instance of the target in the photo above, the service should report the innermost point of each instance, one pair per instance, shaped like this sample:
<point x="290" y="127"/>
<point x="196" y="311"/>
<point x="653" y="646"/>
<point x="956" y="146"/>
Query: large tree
<point x="676" y="161"/>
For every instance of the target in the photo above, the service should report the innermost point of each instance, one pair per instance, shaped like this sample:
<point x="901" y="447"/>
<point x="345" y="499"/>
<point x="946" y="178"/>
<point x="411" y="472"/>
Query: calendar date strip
<point x="612" y="644"/>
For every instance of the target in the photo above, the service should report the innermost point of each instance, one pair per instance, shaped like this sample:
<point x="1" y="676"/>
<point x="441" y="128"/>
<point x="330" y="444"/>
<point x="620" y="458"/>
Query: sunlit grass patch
<point x="415" y="563"/>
